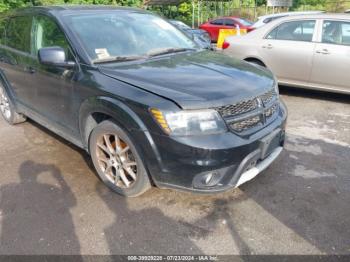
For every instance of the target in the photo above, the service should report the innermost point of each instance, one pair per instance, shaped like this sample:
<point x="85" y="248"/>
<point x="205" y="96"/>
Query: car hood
<point x="194" y="80"/>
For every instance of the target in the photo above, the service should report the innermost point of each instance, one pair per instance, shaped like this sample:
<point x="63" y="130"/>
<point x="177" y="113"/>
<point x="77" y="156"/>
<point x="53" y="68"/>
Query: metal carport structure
<point x="200" y="4"/>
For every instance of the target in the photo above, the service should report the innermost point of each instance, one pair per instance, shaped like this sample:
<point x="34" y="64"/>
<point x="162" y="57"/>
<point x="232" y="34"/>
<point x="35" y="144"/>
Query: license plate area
<point x="269" y="143"/>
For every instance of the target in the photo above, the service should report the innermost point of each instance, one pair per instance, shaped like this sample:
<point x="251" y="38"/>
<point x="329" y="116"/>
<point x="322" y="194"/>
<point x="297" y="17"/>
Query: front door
<point x="288" y="50"/>
<point x="331" y="65"/>
<point x="55" y="85"/>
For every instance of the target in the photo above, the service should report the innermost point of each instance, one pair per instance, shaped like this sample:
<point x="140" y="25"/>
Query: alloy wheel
<point x="116" y="160"/>
<point x="4" y="104"/>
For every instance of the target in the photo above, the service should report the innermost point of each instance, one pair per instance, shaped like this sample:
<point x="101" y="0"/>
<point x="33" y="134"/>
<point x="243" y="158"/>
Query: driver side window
<point x="47" y="34"/>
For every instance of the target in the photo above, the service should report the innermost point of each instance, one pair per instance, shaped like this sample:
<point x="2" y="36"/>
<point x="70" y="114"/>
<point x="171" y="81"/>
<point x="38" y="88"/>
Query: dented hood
<point x="194" y="80"/>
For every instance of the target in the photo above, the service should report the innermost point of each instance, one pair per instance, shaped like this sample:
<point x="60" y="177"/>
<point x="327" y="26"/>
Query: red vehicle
<point x="228" y="22"/>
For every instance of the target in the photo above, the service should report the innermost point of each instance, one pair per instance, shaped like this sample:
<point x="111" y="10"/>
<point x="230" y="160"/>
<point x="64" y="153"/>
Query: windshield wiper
<point x="117" y="59"/>
<point x="165" y="51"/>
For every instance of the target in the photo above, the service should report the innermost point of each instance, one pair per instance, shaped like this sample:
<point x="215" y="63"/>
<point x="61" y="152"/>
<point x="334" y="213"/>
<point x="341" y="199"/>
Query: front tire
<point x="117" y="161"/>
<point x="7" y="109"/>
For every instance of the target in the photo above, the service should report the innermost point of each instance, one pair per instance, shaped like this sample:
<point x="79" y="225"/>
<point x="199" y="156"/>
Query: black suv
<point x="143" y="99"/>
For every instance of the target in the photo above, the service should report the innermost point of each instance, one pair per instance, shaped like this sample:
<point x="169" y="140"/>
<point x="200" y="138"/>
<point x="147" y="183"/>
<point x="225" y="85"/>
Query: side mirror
<point x="54" y="56"/>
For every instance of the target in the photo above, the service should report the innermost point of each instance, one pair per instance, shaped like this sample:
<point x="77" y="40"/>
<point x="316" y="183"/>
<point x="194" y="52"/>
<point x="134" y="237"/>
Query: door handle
<point x="30" y="70"/>
<point x="323" y="51"/>
<point x="268" y="46"/>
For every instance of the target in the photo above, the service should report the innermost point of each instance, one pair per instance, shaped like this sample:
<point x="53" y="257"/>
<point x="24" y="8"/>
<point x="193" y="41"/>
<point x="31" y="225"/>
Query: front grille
<point x="251" y="113"/>
<point x="268" y="96"/>
<point x="245" y="124"/>
<point x="237" y="109"/>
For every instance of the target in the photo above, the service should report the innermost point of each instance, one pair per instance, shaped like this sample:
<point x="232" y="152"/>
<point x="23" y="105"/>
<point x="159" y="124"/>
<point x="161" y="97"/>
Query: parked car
<point x="311" y="51"/>
<point x="265" y="19"/>
<point x="201" y="37"/>
<point x="135" y="92"/>
<point x="230" y="22"/>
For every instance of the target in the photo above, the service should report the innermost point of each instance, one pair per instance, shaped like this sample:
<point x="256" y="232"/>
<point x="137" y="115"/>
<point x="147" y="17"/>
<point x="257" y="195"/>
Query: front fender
<point x="127" y="119"/>
<point x="114" y="108"/>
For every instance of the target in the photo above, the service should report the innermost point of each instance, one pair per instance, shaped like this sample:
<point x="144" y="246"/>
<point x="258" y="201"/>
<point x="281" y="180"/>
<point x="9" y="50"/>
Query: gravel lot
<point x="52" y="202"/>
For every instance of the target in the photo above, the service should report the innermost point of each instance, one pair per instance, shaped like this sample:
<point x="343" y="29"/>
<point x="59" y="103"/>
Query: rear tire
<point x="7" y="109"/>
<point x="117" y="161"/>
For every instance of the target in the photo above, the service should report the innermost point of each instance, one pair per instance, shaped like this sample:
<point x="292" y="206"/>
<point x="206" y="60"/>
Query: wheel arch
<point x="6" y="84"/>
<point x="253" y="58"/>
<point x="97" y="109"/>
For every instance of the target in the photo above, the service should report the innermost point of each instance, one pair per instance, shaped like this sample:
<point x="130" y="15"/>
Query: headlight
<point x="190" y="122"/>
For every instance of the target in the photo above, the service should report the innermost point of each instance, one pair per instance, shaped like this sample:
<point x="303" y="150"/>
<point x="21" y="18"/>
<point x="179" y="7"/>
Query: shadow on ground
<point x="36" y="216"/>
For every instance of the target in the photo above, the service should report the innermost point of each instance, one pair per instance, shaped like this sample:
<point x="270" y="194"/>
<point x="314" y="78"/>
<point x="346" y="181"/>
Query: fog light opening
<point x="208" y="178"/>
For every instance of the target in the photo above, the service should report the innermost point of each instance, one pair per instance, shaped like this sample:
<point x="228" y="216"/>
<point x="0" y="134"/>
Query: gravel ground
<point x="52" y="202"/>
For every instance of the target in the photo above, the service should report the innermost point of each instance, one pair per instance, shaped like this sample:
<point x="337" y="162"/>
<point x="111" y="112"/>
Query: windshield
<point x="126" y="34"/>
<point x="244" y="21"/>
<point x="180" y="24"/>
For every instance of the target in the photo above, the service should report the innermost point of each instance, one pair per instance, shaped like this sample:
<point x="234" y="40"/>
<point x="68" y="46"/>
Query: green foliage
<point x="184" y="10"/>
<point x="12" y="4"/>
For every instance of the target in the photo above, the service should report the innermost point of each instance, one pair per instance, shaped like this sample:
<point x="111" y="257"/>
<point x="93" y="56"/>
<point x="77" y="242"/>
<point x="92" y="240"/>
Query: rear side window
<point x="18" y="33"/>
<point x="336" y="32"/>
<point x="2" y="31"/>
<point x="217" y="22"/>
<point x="294" y="31"/>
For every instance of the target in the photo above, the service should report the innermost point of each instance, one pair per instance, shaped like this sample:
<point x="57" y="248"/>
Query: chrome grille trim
<point x="245" y="124"/>
<point x="238" y="108"/>
<point x="246" y="116"/>
<point x="268" y="96"/>
<point x="271" y="110"/>
<point x="247" y="105"/>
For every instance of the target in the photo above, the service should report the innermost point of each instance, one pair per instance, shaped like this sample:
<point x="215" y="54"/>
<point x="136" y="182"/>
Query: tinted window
<point x="47" y="34"/>
<point x="18" y="33"/>
<point x="244" y="21"/>
<point x="229" y="22"/>
<point x="295" y="31"/>
<point x="336" y="32"/>
<point x="217" y="22"/>
<point x="2" y="31"/>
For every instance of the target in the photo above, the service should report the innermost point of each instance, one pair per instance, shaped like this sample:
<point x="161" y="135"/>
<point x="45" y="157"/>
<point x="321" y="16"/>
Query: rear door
<point x="288" y="50"/>
<point x="331" y="66"/>
<point x="15" y="57"/>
